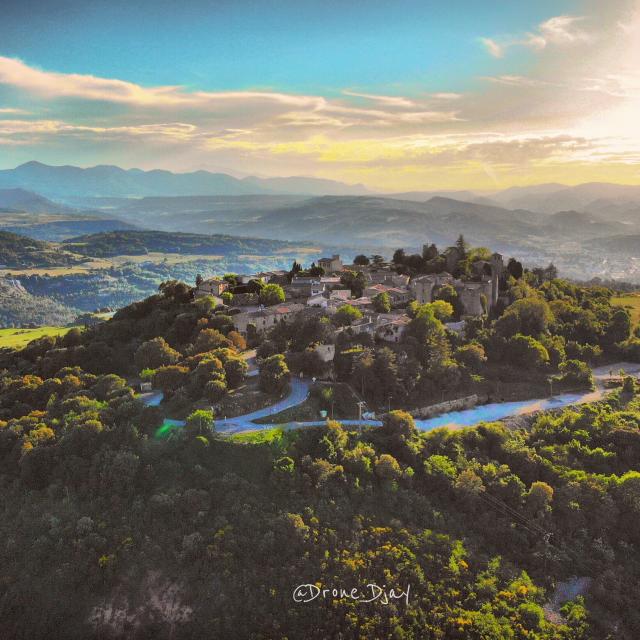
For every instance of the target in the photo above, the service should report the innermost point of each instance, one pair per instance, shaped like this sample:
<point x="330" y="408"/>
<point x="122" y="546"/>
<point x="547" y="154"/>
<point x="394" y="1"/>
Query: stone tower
<point x="497" y="268"/>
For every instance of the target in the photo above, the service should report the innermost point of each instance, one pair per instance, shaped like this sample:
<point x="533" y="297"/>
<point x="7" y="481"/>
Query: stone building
<point x="211" y="287"/>
<point x="422" y="287"/>
<point x="332" y="264"/>
<point x="265" y="318"/>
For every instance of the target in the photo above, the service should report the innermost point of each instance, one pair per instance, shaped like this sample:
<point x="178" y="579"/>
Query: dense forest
<point x="109" y="529"/>
<point x="20" y="252"/>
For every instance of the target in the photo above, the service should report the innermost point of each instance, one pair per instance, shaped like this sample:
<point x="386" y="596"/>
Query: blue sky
<point x="402" y="94"/>
<point x="292" y="46"/>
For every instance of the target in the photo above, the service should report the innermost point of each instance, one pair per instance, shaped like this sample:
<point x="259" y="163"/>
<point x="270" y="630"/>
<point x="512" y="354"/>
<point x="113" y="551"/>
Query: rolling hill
<point x="21" y="252"/>
<point x="102" y="245"/>
<point x="374" y="221"/>
<point x="28" y="201"/>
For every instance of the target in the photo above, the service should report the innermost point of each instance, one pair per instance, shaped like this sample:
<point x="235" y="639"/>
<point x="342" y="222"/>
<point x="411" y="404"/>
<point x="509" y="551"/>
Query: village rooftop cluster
<point x="380" y="290"/>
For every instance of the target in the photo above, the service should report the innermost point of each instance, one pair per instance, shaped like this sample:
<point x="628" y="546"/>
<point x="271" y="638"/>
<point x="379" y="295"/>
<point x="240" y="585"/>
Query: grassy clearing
<point x="51" y="271"/>
<point x="631" y="302"/>
<point x="158" y="258"/>
<point x="259" y="437"/>
<point x="100" y="264"/>
<point x="18" y="338"/>
<point x="278" y="438"/>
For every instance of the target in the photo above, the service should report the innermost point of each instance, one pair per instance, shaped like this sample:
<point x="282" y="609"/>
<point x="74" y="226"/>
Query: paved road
<point x="299" y="392"/>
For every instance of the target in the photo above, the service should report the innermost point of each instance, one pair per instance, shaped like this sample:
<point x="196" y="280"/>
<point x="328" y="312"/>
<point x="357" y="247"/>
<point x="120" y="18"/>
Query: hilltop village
<point x="370" y="296"/>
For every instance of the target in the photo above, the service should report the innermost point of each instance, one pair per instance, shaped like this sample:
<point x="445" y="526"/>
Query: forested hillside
<point x="22" y="253"/>
<point x="18" y="307"/>
<point x="111" y="529"/>
<point x="141" y="242"/>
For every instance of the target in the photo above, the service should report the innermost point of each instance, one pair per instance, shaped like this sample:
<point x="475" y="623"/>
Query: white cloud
<point x="559" y="31"/>
<point x="13" y="112"/>
<point x="495" y="49"/>
<point x="516" y="81"/>
<point x="391" y="101"/>
<point x="15" y="73"/>
<point x="446" y="96"/>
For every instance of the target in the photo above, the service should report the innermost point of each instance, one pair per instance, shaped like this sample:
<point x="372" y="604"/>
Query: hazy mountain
<point x="299" y="185"/>
<point x="354" y="220"/>
<point x="597" y="197"/>
<point x="578" y="224"/>
<point x="371" y="220"/>
<point x="517" y="194"/>
<point x="461" y="196"/>
<point x="626" y="244"/>
<point x="104" y="180"/>
<point x="22" y="200"/>
<point x="65" y="182"/>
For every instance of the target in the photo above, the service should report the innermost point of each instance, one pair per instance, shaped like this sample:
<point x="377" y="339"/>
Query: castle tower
<point x="497" y="268"/>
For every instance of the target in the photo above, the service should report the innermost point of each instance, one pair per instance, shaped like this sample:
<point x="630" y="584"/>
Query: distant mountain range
<point x="63" y="182"/>
<point x="538" y="223"/>
<point x="602" y="198"/>
<point x="366" y="220"/>
<point x="80" y="187"/>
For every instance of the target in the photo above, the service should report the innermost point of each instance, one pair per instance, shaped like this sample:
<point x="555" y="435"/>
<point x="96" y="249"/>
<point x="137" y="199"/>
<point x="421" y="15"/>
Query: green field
<point x="632" y="302"/>
<point x="277" y="437"/>
<point x="18" y="338"/>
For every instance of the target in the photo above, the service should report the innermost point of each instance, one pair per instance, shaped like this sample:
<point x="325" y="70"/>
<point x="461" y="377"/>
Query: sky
<point x="399" y="96"/>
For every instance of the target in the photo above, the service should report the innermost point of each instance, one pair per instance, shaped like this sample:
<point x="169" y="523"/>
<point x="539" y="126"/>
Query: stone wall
<point x="458" y="404"/>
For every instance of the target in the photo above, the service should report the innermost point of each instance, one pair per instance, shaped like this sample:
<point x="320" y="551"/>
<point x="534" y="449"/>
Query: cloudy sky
<point x="400" y="95"/>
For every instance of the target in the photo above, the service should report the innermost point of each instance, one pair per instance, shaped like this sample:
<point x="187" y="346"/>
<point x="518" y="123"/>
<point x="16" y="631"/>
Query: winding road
<point x="299" y="392"/>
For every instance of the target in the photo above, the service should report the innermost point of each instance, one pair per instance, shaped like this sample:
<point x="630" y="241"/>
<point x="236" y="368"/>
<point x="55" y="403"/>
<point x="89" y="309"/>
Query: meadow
<point x="630" y="301"/>
<point x="17" y="338"/>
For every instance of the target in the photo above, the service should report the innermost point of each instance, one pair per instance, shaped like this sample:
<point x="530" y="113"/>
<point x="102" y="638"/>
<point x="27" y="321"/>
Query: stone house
<point x="278" y="276"/>
<point x="211" y="287"/>
<point x="340" y="294"/>
<point x="363" y="325"/>
<point x="317" y="301"/>
<point x="332" y="264"/>
<point x="304" y="287"/>
<point x="392" y="330"/>
<point x="265" y="318"/>
<point x="397" y="296"/>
